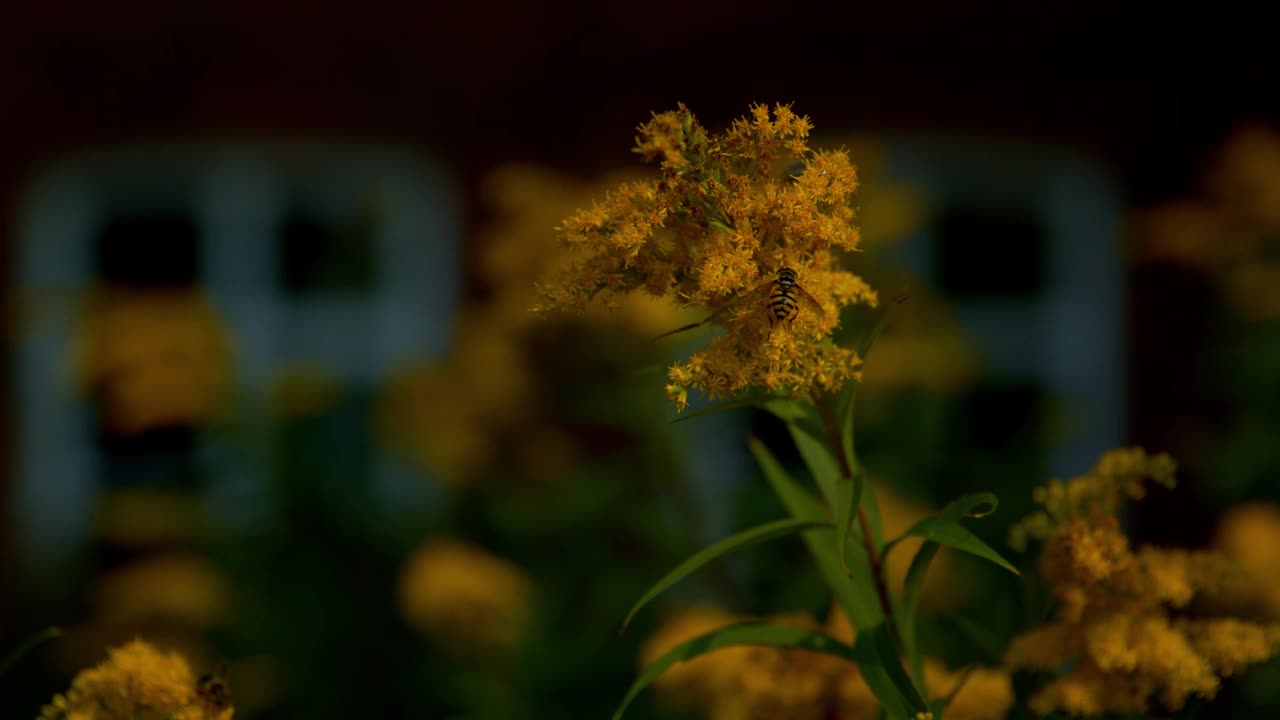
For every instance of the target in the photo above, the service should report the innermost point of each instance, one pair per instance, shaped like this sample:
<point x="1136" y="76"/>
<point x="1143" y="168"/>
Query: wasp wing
<point x="759" y="293"/>
<point x="809" y="301"/>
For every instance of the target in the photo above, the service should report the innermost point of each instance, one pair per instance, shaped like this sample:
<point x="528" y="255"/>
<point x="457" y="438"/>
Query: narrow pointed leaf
<point x="952" y="534"/>
<point x="754" y="633"/>
<point x="944" y="528"/>
<point x="850" y="493"/>
<point x="859" y="602"/>
<point x="882" y="670"/>
<point x="27" y="646"/>
<point x="812" y="442"/>
<point x="854" y="590"/>
<point x="758" y="534"/>
<point x="910" y="601"/>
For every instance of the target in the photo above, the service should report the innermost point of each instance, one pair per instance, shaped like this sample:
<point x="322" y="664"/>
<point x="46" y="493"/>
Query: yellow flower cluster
<point x="466" y="600"/>
<point x="1119" y="474"/>
<point x="759" y="683"/>
<point x="451" y="417"/>
<point x="458" y="417"/>
<point x="1229" y="229"/>
<point x="1120" y="622"/>
<point x="139" y="682"/>
<point x="153" y="358"/>
<point x="722" y="220"/>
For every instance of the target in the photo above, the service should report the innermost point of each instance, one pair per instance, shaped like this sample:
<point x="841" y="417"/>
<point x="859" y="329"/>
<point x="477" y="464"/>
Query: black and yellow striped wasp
<point x="784" y="295"/>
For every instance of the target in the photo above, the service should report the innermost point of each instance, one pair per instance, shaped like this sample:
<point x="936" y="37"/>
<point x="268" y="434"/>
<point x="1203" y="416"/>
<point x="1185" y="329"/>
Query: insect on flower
<point x="212" y="689"/>
<point x="784" y="295"/>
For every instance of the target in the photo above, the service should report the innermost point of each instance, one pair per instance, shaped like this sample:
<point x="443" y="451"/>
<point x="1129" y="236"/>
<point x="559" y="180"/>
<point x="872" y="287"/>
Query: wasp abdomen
<point x="782" y="301"/>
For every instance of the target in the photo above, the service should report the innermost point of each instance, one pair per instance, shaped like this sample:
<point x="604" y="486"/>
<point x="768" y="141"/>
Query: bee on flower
<point x="726" y="230"/>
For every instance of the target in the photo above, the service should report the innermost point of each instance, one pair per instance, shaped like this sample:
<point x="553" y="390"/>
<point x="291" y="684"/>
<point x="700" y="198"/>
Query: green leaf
<point x="718" y="408"/>
<point x="27" y="646"/>
<point x="752" y="633"/>
<point x="758" y="534"/>
<point x="860" y="604"/>
<point x="811" y="440"/>
<point x="952" y="534"/>
<point x="850" y="497"/>
<point x="910" y="601"/>
<point x="856" y="595"/>
<point x="882" y="670"/>
<point x="945" y="528"/>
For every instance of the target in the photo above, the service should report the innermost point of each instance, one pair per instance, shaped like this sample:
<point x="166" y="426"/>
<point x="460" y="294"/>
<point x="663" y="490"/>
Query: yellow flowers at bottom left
<point x="138" y="682"/>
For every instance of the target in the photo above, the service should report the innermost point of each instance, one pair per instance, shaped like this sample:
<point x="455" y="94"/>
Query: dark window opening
<point x="322" y="255"/>
<point x="148" y="249"/>
<point x="990" y="253"/>
<point x="997" y="416"/>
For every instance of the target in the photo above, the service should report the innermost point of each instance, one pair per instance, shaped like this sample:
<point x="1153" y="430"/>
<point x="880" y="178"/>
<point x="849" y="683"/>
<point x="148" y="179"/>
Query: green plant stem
<point x="873" y="555"/>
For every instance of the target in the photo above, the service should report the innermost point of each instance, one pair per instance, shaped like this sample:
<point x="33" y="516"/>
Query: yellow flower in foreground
<point x="517" y="249"/>
<point x="466" y="600"/>
<point x="137" y="682"/>
<point x="1119" y="624"/>
<point x="721" y="222"/>
<point x="762" y="683"/>
<point x="153" y="358"/>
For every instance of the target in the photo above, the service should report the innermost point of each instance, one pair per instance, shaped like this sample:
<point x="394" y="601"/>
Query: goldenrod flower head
<point x="1119" y="474"/>
<point x="466" y="600"/>
<point x="720" y="223"/>
<point x="153" y="358"/>
<point x="517" y="248"/>
<point x="1118" y="626"/>
<point x="177" y="587"/>
<point x="137" y="682"/>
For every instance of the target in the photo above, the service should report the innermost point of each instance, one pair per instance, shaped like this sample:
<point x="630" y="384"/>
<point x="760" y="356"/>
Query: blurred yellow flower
<point x="137" y="682"/>
<point x="1118" y="626"/>
<point x="450" y="417"/>
<point x="485" y="406"/>
<point x="725" y="217"/>
<point x="1119" y="474"/>
<point x="178" y="586"/>
<point x="980" y="693"/>
<point x="518" y="247"/>
<point x="1228" y="230"/>
<point x="921" y="348"/>
<point x="1250" y="535"/>
<point x="466" y="600"/>
<point x="694" y="685"/>
<point x="153" y="358"/>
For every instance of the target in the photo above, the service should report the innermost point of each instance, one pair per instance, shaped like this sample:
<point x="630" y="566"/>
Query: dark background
<point x="1146" y="90"/>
